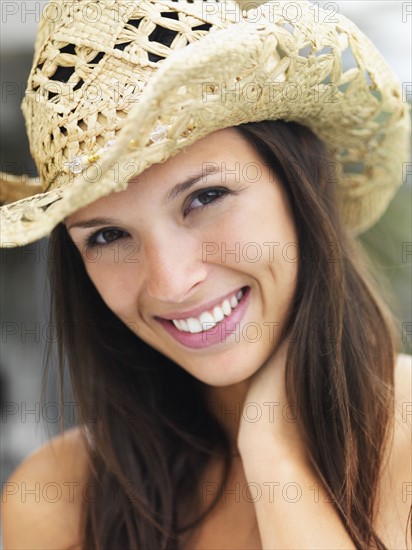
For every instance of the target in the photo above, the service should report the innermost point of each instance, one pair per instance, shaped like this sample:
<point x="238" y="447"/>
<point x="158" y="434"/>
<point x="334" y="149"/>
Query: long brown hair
<point x="153" y="434"/>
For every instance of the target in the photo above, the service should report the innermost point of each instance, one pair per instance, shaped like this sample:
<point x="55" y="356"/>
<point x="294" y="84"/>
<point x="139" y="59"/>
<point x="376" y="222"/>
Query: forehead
<point x="216" y="153"/>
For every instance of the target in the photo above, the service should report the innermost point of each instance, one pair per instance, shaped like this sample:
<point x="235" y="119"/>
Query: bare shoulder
<point x="395" y="489"/>
<point x="403" y="411"/>
<point x="41" y="499"/>
<point x="403" y="381"/>
<point x="402" y="448"/>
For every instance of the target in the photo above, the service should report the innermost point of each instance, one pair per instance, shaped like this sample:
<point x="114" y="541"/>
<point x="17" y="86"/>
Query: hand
<point x="273" y="453"/>
<point x="268" y="416"/>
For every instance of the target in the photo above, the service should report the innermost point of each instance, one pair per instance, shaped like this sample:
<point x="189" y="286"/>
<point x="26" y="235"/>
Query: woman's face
<point x="198" y="256"/>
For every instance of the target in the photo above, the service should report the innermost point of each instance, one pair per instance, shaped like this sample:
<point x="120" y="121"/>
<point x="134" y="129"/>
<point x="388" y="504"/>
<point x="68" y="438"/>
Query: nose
<point x="173" y="266"/>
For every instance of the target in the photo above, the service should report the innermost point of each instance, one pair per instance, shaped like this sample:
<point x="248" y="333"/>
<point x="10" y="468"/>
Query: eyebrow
<point x="173" y="193"/>
<point x="187" y="184"/>
<point x="94" y="222"/>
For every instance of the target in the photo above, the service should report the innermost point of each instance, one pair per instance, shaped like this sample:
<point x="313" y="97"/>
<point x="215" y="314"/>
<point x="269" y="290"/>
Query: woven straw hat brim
<point x="365" y="125"/>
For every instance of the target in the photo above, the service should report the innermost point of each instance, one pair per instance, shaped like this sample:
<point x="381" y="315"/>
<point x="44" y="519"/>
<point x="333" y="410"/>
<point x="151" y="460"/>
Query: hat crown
<point x="160" y="74"/>
<point x="86" y="78"/>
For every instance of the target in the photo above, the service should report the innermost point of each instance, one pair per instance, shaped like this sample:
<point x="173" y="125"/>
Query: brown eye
<point x="205" y="197"/>
<point x="105" y="236"/>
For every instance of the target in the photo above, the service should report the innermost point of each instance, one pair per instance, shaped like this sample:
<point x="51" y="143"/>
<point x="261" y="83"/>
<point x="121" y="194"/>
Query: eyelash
<point x="91" y="240"/>
<point x="223" y="192"/>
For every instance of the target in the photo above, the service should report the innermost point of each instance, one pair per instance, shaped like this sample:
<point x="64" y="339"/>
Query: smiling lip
<point x="195" y="312"/>
<point x="217" y="334"/>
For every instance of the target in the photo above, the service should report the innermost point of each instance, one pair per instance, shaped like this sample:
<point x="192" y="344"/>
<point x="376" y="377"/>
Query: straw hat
<point x="117" y="86"/>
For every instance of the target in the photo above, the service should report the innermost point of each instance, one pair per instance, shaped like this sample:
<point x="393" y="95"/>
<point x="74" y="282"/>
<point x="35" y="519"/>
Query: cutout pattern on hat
<point x="216" y="68"/>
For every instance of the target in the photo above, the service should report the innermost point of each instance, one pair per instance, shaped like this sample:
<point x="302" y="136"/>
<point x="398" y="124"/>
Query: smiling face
<point x="198" y="256"/>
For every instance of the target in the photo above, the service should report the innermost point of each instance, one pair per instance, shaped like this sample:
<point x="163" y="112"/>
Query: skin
<point x="164" y="280"/>
<point x="233" y="372"/>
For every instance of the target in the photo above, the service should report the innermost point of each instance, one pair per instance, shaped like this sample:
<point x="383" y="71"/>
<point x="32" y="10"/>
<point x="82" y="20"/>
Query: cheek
<point x="253" y="237"/>
<point x="114" y="283"/>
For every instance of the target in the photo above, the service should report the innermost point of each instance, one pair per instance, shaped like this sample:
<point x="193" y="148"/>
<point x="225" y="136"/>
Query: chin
<point x="221" y="372"/>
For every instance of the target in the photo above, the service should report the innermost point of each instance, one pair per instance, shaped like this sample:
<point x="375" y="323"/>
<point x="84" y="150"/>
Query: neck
<point x="226" y="404"/>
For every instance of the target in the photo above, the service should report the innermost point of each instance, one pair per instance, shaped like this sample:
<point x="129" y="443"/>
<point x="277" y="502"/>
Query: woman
<point x="243" y="372"/>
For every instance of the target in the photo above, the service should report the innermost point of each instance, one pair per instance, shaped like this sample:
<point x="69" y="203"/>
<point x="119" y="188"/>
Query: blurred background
<point x="24" y="296"/>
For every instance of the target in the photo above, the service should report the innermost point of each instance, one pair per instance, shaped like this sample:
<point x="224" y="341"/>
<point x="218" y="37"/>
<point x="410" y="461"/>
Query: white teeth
<point x="206" y="320"/>
<point x="180" y="324"/>
<point x="218" y="314"/>
<point x="194" y="325"/>
<point x="226" y="308"/>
